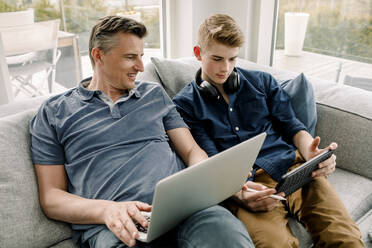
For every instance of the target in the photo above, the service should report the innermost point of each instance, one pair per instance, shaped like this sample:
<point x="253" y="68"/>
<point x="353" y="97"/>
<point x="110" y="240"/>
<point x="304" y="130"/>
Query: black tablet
<point x="297" y="178"/>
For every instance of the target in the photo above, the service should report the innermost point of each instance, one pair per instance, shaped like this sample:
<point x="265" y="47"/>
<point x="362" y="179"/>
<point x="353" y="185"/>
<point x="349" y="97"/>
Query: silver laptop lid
<point x="202" y="185"/>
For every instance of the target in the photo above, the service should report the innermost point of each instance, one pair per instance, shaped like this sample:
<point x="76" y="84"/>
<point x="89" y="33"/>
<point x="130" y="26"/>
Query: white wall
<point x="179" y="28"/>
<point x="255" y="17"/>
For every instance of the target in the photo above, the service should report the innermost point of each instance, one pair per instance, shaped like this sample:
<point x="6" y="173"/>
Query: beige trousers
<point x="316" y="205"/>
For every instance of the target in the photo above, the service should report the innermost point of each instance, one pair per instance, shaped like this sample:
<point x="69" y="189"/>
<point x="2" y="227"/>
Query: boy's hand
<point x="327" y="166"/>
<point x="257" y="201"/>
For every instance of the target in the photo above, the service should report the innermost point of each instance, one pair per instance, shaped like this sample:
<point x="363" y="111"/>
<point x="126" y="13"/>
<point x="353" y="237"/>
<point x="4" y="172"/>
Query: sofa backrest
<point x="19" y="106"/>
<point x="23" y="224"/>
<point x="353" y="134"/>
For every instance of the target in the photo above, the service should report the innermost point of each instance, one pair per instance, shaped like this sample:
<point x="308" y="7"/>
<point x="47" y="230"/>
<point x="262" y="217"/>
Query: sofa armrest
<point x="352" y="132"/>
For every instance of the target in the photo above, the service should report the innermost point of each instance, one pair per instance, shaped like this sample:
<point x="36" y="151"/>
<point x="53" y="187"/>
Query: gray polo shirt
<point x="114" y="151"/>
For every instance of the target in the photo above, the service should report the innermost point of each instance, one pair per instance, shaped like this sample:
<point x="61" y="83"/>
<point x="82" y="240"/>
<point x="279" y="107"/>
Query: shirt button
<point x="237" y="128"/>
<point x="231" y="109"/>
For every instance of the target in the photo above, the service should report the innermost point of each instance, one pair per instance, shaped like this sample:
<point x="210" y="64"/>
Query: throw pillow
<point x="175" y="73"/>
<point x="302" y="101"/>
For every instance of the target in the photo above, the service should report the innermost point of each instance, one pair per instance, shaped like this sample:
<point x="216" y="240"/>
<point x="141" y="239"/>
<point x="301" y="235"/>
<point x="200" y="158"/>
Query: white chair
<point x="17" y="18"/>
<point x="23" y="41"/>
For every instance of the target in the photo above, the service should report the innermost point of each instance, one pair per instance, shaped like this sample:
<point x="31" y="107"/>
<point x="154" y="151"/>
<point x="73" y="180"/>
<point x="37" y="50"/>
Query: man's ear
<point x="197" y="52"/>
<point x="97" y="55"/>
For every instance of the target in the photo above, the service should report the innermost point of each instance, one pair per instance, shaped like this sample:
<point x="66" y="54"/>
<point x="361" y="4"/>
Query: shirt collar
<point x="87" y="95"/>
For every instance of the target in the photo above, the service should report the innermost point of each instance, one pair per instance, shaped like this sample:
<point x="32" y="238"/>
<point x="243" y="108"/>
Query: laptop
<point x="200" y="186"/>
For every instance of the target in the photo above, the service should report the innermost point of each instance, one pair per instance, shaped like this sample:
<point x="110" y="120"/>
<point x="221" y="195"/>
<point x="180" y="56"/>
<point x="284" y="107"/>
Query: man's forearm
<point x="61" y="205"/>
<point x="185" y="146"/>
<point x="196" y="155"/>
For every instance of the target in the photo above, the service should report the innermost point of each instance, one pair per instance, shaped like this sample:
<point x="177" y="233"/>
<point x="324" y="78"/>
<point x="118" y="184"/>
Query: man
<point x="225" y="106"/>
<point x="100" y="148"/>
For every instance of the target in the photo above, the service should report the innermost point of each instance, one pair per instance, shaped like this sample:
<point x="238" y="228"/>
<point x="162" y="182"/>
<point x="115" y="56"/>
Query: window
<point x="338" y="38"/>
<point x="77" y="18"/>
<point x="80" y="16"/>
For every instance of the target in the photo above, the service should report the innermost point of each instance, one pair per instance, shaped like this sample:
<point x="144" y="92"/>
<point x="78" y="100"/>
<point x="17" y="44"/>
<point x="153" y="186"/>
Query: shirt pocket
<point x="254" y="113"/>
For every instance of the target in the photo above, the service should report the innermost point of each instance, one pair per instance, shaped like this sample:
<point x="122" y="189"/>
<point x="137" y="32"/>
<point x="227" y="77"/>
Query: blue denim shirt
<point x="115" y="151"/>
<point x="259" y="105"/>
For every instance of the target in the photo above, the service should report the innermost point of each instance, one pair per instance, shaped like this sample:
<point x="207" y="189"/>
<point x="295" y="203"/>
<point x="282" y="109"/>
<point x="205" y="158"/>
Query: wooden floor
<point x="322" y="66"/>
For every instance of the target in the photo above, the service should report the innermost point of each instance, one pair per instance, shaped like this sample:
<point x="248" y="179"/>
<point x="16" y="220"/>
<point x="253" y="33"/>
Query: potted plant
<point x="295" y="24"/>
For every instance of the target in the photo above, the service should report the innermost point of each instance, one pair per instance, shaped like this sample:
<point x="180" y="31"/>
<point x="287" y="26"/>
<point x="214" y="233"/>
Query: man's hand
<point x="118" y="217"/>
<point x="257" y="201"/>
<point x="327" y="166"/>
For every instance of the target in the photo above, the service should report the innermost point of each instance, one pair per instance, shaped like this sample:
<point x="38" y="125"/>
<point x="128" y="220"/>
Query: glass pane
<point x="339" y="30"/>
<point x="14" y="5"/>
<point x="81" y="15"/>
<point x="43" y="9"/>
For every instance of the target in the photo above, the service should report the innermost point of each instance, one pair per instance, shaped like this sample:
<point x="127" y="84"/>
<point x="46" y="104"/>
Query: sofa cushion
<point x="302" y="100"/>
<point x="19" y="106"/>
<point x="149" y="74"/>
<point x="354" y="191"/>
<point x="175" y="73"/>
<point x="353" y="134"/>
<point x="23" y="224"/>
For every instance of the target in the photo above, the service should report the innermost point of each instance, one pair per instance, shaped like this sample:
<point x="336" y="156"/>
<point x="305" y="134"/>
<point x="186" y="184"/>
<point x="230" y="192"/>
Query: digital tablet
<point x="297" y="178"/>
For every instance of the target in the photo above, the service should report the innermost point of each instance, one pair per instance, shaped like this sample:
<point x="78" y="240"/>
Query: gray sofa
<point x="344" y="116"/>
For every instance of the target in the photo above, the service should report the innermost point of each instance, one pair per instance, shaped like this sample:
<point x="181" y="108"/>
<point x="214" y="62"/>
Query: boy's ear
<point x="197" y="52"/>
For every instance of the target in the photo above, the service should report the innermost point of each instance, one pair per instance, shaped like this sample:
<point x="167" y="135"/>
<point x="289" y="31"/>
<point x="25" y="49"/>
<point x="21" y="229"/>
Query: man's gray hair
<point x="103" y="33"/>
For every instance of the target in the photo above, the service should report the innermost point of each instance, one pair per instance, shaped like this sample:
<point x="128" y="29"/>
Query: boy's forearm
<point x="302" y="140"/>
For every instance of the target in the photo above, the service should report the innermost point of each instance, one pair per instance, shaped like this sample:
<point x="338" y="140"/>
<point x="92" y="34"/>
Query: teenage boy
<point x="100" y="148"/>
<point x="226" y="105"/>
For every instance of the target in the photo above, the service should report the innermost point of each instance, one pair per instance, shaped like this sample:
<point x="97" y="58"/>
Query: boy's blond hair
<point x="221" y="28"/>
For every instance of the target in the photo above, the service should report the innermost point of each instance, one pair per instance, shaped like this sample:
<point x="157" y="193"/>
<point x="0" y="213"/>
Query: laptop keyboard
<point x="141" y="228"/>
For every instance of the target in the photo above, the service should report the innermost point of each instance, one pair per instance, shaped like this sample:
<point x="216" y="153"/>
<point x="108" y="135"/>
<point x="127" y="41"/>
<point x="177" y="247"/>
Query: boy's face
<point x="218" y="61"/>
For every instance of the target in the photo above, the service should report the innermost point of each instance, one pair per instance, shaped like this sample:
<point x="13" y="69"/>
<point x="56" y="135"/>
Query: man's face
<point x="218" y="61"/>
<point x="120" y="65"/>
